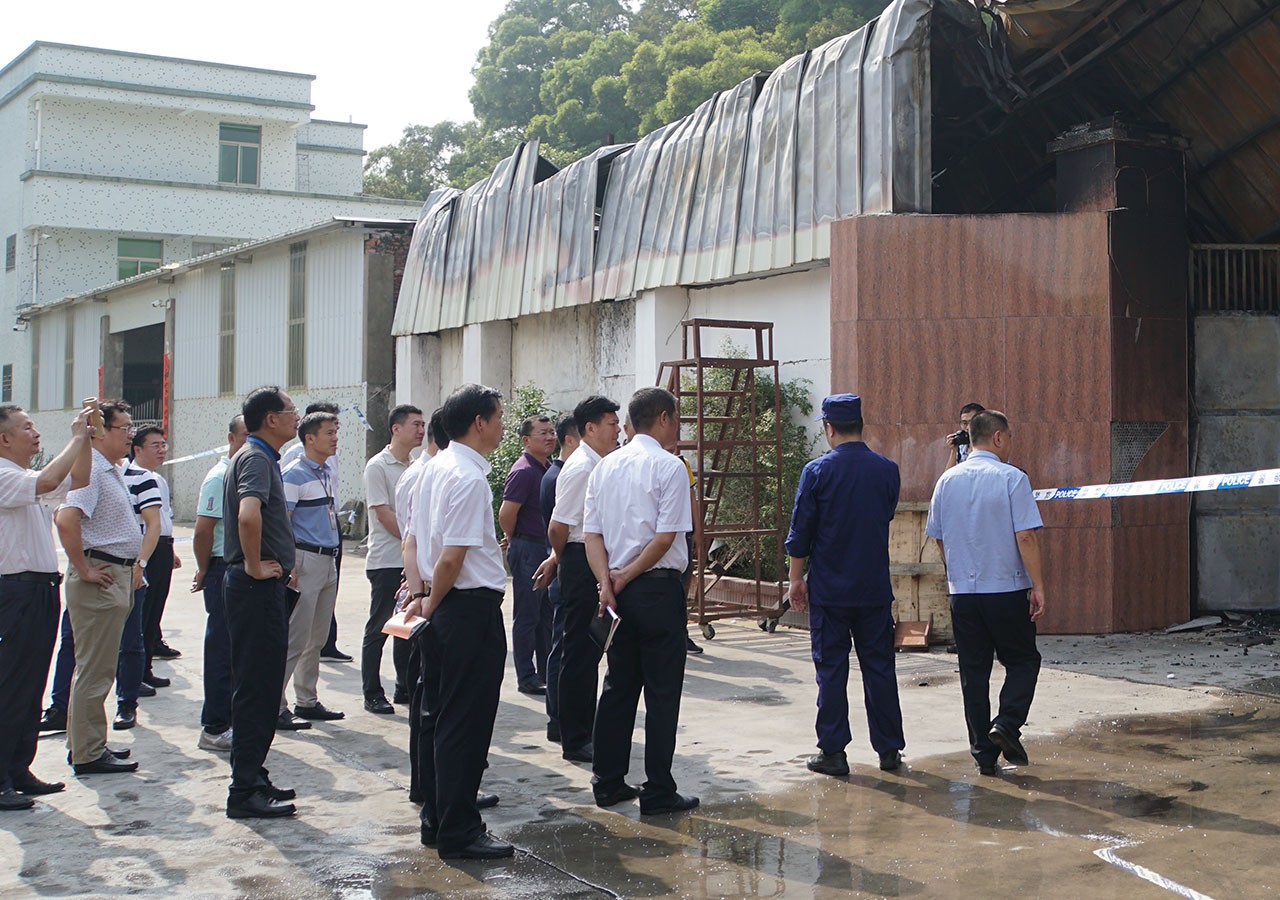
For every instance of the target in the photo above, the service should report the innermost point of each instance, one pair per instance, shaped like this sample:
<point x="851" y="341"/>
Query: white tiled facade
<point x="98" y="145"/>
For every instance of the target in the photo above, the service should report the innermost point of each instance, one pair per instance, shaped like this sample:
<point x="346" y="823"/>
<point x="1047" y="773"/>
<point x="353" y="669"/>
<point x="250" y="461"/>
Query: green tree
<point x="805" y="24"/>
<point x="728" y="15"/>
<point x="427" y="157"/>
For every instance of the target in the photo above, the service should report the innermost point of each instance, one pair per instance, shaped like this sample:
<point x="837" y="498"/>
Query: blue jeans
<point x="132" y="662"/>
<point x="215" y="716"/>
<point x="64" y="667"/>
<point x="530" y="612"/>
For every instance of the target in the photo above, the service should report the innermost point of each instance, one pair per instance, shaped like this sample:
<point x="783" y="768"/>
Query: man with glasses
<point x="101" y="538"/>
<point x="150" y="447"/>
<point x="259" y="552"/>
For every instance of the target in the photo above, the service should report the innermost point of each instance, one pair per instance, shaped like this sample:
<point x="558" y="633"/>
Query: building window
<point x="69" y="363"/>
<point x="6" y="383"/>
<point x="10" y="253"/>
<point x="133" y="257"/>
<point x="297" y="376"/>
<point x="238" y="149"/>
<point x="227" y="332"/>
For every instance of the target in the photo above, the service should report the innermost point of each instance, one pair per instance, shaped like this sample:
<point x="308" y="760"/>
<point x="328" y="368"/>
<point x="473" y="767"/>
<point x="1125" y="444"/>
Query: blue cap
<point x="841" y="408"/>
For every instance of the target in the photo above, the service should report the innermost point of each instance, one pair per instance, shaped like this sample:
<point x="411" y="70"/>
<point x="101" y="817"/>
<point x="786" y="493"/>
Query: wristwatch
<point x="419" y="595"/>
<point x="141" y="562"/>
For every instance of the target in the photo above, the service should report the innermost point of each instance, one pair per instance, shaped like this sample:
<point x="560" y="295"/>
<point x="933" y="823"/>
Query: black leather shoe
<point x="106" y="764"/>
<point x="605" y="799"/>
<point x="163" y="651"/>
<point x="12" y="800"/>
<point x="380" y="706"/>
<point x="279" y="794"/>
<point x="427" y="834"/>
<point x="585" y="754"/>
<point x="485" y="801"/>
<point x="122" y="753"/>
<point x="553" y="732"/>
<point x="53" y="719"/>
<point x="486" y="846"/>
<point x="828" y="763"/>
<point x="400" y="697"/>
<point x="672" y="804"/>
<point x="533" y="690"/>
<point x="333" y="654"/>
<point x="126" y="718"/>
<point x="156" y="681"/>
<point x="29" y="784"/>
<point x="146" y="690"/>
<point x="319" y="713"/>
<point x="259" y="805"/>
<point x="988" y="769"/>
<point x="286" y="722"/>
<point x="1009" y="745"/>
<point x="891" y="761"/>
<point x="690" y="646"/>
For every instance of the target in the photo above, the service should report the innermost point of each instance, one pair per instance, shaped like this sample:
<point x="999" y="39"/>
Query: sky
<point x="407" y="63"/>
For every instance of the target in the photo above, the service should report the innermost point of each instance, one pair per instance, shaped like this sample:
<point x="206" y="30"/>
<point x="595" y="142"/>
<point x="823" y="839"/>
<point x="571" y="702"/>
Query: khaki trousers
<point x="98" y="614"/>
<point x="309" y="625"/>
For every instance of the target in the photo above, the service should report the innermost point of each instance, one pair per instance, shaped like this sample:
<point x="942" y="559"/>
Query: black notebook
<point x="603" y="628"/>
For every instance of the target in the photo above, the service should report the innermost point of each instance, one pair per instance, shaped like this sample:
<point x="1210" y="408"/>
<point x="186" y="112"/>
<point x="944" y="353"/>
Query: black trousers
<point x="580" y="657"/>
<point x="647" y="654"/>
<point x="259" y="626"/>
<point x="999" y="625"/>
<point x="159" y="578"/>
<point x="464" y="650"/>
<point x="415" y="715"/>
<point x="28" y="630"/>
<point x="383" y="584"/>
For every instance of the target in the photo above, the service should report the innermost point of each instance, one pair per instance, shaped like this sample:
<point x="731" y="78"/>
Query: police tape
<point x="203" y="454"/>
<point x="1191" y="485"/>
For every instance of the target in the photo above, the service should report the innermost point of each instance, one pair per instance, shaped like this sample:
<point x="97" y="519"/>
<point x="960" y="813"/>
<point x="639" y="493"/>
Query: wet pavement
<point x="1135" y="790"/>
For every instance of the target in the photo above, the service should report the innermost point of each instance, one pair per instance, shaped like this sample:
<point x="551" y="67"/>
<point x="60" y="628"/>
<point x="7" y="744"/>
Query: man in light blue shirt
<point x="984" y="518"/>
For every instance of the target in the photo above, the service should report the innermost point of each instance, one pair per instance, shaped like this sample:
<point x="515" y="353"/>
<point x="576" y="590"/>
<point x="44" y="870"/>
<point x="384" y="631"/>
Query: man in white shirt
<point x="29" y="600"/>
<point x="635" y="517"/>
<point x="383" y="566"/>
<point x="465" y="644"/>
<point x="597" y="421"/>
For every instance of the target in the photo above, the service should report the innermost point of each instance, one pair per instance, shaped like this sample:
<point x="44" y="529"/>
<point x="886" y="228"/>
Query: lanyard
<point x="253" y="439"/>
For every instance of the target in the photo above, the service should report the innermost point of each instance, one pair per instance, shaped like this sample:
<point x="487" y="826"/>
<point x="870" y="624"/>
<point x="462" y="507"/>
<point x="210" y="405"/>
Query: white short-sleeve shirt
<point x="637" y="492"/>
<point x="26" y="522"/>
<point x="454" y="508"/>
<point x="571" y="490"/>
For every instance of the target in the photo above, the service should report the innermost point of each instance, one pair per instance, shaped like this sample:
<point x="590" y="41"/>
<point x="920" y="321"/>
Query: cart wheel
<point x="772" y="626"/>
<point x="708" y="631"/>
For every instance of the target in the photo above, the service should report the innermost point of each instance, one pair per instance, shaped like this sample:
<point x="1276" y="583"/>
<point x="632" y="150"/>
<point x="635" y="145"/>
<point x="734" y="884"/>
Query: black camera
<point x="959" y="439"/>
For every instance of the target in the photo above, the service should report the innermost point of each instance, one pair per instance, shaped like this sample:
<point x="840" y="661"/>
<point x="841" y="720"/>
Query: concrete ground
<point x="1140" y="785"/>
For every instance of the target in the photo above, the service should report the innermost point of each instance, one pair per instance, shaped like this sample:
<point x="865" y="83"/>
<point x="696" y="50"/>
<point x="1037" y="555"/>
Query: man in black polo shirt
<point x="259" y="552"/>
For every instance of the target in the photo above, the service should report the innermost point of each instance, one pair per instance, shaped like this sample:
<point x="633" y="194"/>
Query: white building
<point x="114" y="164"/>
<point x="309" y="310"/>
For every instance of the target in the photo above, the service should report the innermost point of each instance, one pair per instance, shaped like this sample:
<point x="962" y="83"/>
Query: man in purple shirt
<point x="520" y="518"/>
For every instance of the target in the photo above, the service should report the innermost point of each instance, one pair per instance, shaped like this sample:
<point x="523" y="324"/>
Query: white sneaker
<point x="219" y="743"/>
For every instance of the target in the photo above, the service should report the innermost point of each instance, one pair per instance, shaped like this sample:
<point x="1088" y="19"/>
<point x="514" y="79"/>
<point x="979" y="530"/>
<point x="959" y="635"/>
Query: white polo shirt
<point x="407" y="494"/>
<point x="454" y="508"/>
<point x="26" y="523"/>
<point x="634" y="493"/>
<point x="571" y="490"/>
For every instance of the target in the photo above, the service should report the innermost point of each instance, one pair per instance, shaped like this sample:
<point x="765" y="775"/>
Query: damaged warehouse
<point x="1061" y="209"/>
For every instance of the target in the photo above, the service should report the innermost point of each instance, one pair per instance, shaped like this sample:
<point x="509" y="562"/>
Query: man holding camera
<point x="959" y="442"/>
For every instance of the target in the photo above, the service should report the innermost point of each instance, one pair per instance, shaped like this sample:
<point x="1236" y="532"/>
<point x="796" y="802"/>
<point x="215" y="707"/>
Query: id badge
<point x="333" y="519"/>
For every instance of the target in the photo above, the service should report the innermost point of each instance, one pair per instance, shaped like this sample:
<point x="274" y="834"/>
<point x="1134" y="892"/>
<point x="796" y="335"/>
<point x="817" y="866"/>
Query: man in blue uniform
<point x="840" y="525"/>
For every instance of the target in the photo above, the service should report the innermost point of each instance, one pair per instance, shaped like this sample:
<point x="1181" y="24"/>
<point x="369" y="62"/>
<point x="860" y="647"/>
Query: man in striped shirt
<point x="131" y="668"/>
<point x="150" y="447"/>
<point x="309" y="496"/>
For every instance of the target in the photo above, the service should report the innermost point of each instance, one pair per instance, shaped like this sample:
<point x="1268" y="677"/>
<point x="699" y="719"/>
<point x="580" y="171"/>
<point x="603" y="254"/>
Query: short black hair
<point x="593" y="409"/>
<point x="987" y="423"/>
<point x="526" y="427"/>
<point x="845" y="429"/>
<point x="435" y="429"/>
<point x="112" y="408"/>
<point x="231" y="427"/>
<point x="140" y="436"/>
<point x="647" y="406"/>
<point x="565" y="427"/>
<point x="260" y="403"/>
<point x="322" y="406"/>
<point x="311" y="423"/>
<point x="465" y="404"/>
<point x="972" y="407"/>
<point x="400" y="414"/>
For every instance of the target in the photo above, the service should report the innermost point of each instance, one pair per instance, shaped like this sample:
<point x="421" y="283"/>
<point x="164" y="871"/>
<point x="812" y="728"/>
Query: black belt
<point x="316" y="548"/>
<point x="477" y="593"/>
<point x="659" y="573"/>
<point x="535" y="539"/>
<point x="53" y="578"/>
<point x="166" y="540"/>
<point x="107" y="557"/>
<point x="217" y="561"/>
